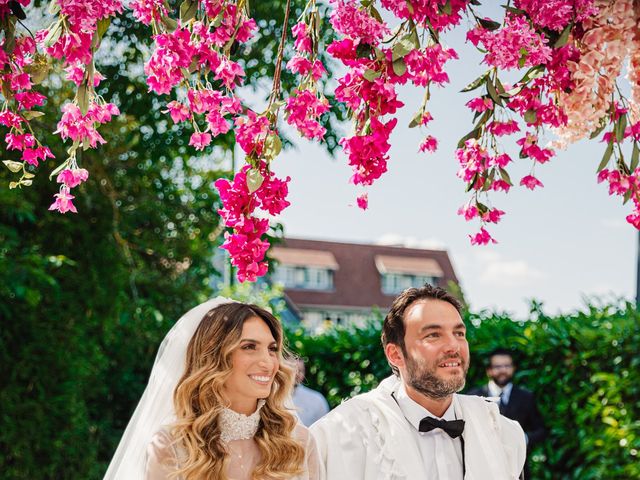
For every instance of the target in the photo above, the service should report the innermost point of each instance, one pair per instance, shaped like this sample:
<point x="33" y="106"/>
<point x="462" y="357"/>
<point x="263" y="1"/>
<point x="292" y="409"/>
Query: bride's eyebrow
<point x="251" y="340"/>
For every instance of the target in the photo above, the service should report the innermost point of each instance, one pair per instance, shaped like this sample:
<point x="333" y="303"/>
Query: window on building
<point x="394" y="283"/>
<point x="305" y="278"/>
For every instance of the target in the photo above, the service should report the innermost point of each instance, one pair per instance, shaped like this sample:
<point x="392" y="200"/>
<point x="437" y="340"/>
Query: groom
<point x="414" y="425"/>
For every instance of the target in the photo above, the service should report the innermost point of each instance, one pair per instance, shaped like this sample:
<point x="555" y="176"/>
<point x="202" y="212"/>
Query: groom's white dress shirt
<point x="441" y="454"/>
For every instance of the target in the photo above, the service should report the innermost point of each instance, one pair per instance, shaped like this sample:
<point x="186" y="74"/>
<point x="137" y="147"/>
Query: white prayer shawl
<point x="368" y="438"/>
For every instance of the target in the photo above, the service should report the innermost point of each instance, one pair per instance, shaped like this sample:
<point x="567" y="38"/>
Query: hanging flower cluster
<point x="537" y="36"/>
<point x="21" y="68"/>
<point x="72" y="37"/>
<point x="192" y="59"/>
<point x="570" y="54"/>
<point x="251" y="189"/>
<point x="377" y="64"/>
<point x="306" y="104"/>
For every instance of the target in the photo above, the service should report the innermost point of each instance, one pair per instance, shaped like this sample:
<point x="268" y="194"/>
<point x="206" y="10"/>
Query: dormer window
<point x="400" y="273"/>
<point x="304" y="269"/>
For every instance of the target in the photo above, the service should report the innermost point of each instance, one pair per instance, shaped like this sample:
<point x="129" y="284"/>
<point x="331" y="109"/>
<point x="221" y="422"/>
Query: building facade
<point x="344" y="283"/>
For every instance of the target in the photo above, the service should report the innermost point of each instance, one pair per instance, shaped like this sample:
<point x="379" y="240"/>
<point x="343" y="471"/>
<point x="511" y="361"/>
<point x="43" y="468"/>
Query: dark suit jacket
<point x="523" y="409"/>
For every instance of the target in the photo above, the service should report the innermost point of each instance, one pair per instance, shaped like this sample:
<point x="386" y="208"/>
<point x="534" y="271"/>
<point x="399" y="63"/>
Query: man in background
<point x="310" y="405"/>
<point x="515" y="402"/>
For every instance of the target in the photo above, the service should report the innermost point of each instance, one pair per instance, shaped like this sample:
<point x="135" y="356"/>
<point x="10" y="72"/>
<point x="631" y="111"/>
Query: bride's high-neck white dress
<point x="237" y="433"/>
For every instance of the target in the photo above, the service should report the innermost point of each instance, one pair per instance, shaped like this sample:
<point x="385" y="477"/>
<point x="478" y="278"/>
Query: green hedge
<point x="583" y="368"/>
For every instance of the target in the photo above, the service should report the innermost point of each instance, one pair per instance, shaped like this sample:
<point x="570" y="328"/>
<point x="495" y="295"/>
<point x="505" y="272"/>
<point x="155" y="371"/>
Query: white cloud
<point x="498" y="271"/>
<point x="410" y="242"/>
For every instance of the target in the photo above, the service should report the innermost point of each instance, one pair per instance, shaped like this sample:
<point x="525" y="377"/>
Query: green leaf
<point x="54" y="7"/>
<point x="28" y="175"/>
<point x="564" y="37"/>
<point x="31" y="114"/>
<point x="402" y="48"/>
<point x="13" y="185"/>
<point x="599" y="128"/>
<point x="476" y="83"/>
<point x="363" y="50"/>
<point x="417" y="119"/>
<point x="635" y="156"/>
<point x="371" y="75"/>
<point x="103" y="26"/>
<point x="82" y="97"/>
<point x="26" y="183"/>
<point x="510" y="93"/>
<point x="188" y="10"/>
<point x="532" y="73"/>
<point x="38" y="69"/>
<point x="59" y="168"/>
<point x="505" y="176"/>
<point x="14" y="167"/>
<point x="515" y="10"/>
<point x="399" y="67"/>
<point x="620" y="127"/>
<point x="488" y="24"/>
<point x="475" y="133"/>
<point x="413" y="36"/>
<point x="170" y="24"/>
<point x="254" y="180"/>
<point x="272" y="147"/>
<point x="606" y="157"/>
<point x="55" y="31"/>
<point x="493" y="93"/>
<point x="627" y="196"/>
<point x="472" y="183"/>
<point x="375" y="14"/>
<point x="446" y="8"/>
<point x="530" y="116"/>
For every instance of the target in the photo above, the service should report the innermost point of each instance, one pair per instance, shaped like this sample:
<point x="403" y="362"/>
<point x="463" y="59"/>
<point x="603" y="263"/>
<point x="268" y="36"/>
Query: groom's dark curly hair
<point x="393" y="328"/>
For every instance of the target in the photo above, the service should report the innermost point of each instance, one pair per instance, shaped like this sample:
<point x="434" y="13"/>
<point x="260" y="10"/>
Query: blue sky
<point x="556" y="245"/>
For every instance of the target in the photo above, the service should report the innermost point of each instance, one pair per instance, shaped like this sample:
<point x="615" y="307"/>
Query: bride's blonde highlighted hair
<point x="198" y="401"/>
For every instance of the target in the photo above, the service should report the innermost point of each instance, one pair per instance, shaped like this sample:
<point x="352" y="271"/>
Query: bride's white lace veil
<point x="155" y="408"/>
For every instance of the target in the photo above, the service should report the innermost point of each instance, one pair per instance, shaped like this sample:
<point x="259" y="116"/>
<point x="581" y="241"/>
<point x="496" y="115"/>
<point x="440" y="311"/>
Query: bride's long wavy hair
<point x="198" y="401"/>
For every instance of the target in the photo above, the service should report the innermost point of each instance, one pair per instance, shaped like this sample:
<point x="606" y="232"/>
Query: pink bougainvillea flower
<point x="353" y="21"/>
<point x="531" y="182"/>
<point x="363" y="201"/>
<point x="503" y="128"/>
<point x="179" y="112"/>
<point x="492" y="216"/>
<point x="303" y="110"/>
<point x="33" y="155"/>
<point x="481" y="238"/>
<point x="72" y="177"/>
<point x="515" y="45"/>
<point x="199" y="140"/>
<point x="302" y="38"/>
<point x="299" y="65"/>
<point x="429" y="144"/>
<point x="468" y="211"/>
<point x="500" y="186"/>
<point x="480" y="104"/>
<point x="63" y="201"/>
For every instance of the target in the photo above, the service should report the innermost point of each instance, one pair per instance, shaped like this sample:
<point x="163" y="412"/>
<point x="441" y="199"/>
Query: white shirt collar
<point x="495" y="390"/>
<point x="414" y="412"/>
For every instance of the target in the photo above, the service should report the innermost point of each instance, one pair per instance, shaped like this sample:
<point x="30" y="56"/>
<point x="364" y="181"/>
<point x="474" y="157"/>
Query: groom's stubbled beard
<point x="424" y="379"/>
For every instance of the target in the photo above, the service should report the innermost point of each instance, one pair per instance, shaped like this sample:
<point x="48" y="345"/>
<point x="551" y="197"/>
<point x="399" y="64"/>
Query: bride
<point x="214" y="407"/>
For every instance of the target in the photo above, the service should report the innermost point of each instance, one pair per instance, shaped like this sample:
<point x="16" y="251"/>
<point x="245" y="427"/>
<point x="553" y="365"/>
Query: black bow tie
<point x="454" y="428"/>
